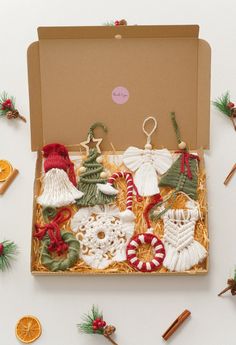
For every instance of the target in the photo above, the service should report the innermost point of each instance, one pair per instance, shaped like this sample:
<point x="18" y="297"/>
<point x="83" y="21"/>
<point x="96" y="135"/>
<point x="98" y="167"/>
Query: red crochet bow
<point x="185" y="164"/>
<point x="52" y="229"/>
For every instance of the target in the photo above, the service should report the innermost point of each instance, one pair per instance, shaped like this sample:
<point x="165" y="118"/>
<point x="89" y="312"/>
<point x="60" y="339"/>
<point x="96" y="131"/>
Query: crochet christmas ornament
<point x="226" y="107"/>
<point x="7" y="108"/>
<point x="93" y="323"/>
<point x="59" y="180"/>
<point x="89" y="179"/>
<point x="92" y="172"/>
<point x="103" y="232"/>
<point x="147" y="238"/>
<point x="182" y="175"/>
<point x="8" y="251"/>
<point x="147" y="164"/>
<point x="57" y="242"/>
<point x="60" y="263"/>
<point x="182" y="251"/>
<point x="108" y="189"/>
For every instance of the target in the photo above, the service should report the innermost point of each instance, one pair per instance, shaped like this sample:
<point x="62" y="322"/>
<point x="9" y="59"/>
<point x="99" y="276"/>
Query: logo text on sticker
<point x="120" y="95"/>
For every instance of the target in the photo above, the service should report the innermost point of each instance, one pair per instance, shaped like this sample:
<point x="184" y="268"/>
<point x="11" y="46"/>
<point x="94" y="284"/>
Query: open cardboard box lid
<point x="74" y="73"/>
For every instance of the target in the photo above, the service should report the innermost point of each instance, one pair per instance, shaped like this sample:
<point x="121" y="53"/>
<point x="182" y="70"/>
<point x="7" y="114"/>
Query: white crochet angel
<point x="147" y="164"/>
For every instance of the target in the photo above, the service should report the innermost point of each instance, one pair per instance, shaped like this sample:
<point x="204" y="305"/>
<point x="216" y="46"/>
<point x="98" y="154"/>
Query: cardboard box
<point x="74" y="73"/>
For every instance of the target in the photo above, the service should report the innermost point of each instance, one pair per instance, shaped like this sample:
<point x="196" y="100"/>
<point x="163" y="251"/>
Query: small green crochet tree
<point x="88" y="182"/>
<point x="182" y="176"/>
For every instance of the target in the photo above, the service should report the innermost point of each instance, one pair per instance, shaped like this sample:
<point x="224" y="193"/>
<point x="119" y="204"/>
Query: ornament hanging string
<point x="149" y="134"/>
<point x="94" y="126"/>
<point x="52" y="229"/>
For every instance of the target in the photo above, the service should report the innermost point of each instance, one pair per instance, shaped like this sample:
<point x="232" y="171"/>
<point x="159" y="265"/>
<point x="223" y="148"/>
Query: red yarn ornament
<point x="57" y="156"/>
<point x="158" y="249"/>
<point x="53" y="230"/>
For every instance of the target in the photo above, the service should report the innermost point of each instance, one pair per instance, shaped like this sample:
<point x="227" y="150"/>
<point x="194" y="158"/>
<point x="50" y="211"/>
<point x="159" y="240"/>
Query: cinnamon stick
<point x="230" y="175"/>
<point x="233" y="121"/>
<point x="224" y="291"/>
<point x="110" y="339"/>
<point x="175" y="325"/>
<point x="9" y="181"/>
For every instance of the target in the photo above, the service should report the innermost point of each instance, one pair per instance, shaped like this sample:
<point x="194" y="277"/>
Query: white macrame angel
<point x="182" y="250"/>
<point x="147" y="164"/>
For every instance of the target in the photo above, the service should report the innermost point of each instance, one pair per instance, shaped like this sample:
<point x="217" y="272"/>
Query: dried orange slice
<point x="5" y="170"/>
<point x="28" y="329"/>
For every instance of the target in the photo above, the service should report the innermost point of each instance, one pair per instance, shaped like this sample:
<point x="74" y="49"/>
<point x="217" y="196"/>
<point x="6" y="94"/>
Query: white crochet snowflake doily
<point x="103" y="235"/>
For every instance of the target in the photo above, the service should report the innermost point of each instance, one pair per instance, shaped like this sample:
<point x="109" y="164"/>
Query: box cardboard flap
<point x="81" y="75"/>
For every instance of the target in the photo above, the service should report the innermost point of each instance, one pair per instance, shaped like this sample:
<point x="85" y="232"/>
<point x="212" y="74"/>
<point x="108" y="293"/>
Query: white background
<point x="141" y="307"/>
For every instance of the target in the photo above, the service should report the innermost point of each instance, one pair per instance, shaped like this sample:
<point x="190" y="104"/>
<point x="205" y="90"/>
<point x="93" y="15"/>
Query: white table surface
<point x="141" y="308"/>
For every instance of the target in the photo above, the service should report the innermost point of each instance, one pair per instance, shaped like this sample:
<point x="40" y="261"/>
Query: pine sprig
<point x="8" y="251"/>
<point x="222" y="104"/>
<point x="110" y="23"/>
<point x="87" y="326"/>
<point x="7" y="103"/>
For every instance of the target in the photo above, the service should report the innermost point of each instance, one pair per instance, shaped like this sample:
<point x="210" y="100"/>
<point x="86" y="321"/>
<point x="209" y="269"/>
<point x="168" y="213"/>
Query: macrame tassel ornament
<point x="59" y="180"/>
<point x="104" y="231"/>
<point x="8" y="251"/>
<point x="92" y="172"/>
<point x="181" y="176"/>
<point x="93" y="323"/>
<point x="182" y="251"/>
<point x="147" y="164"/>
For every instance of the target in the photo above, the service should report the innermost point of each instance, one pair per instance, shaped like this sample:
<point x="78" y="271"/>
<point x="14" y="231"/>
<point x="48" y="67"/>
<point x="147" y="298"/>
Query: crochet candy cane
<point x="108" y="189"/>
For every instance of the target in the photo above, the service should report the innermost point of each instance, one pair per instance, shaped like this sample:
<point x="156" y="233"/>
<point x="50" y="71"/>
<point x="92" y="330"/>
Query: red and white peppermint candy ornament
<point x="158" y="252"/>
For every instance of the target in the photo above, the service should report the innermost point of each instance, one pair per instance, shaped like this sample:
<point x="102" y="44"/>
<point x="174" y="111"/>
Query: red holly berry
<point x="103" y="323"/>
<point x="117" y="22"/>
<point x="230" y="105"/>
<point x="100" y="324"/>
<point x="1" y="249"/>
<point x="7" y="104"/>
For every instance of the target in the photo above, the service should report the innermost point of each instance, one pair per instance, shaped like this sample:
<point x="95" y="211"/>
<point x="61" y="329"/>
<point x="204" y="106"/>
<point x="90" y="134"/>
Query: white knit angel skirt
<point x="58" y="190"/>
<point x="182" y="251"/>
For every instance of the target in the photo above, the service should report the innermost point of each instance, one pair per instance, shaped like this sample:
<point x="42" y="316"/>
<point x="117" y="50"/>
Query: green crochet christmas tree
<point x="182" y="175"/>
<point x="88" y="182"/>
<point x="180" y="181"/>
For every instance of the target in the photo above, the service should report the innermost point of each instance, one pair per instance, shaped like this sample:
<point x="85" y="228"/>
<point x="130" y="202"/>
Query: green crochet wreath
<point x="57" y="263"/>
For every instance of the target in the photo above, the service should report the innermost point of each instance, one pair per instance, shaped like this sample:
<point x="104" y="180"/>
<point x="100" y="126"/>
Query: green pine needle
<point x="221" y="103"/>
<point x="235" y="274"/>
<point x="87" y="321"/>
<point x="110" y="23"/>
<point x="9" y="253"/>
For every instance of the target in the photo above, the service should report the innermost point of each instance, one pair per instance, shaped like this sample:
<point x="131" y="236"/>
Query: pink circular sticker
<point x="120" y="95"/>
